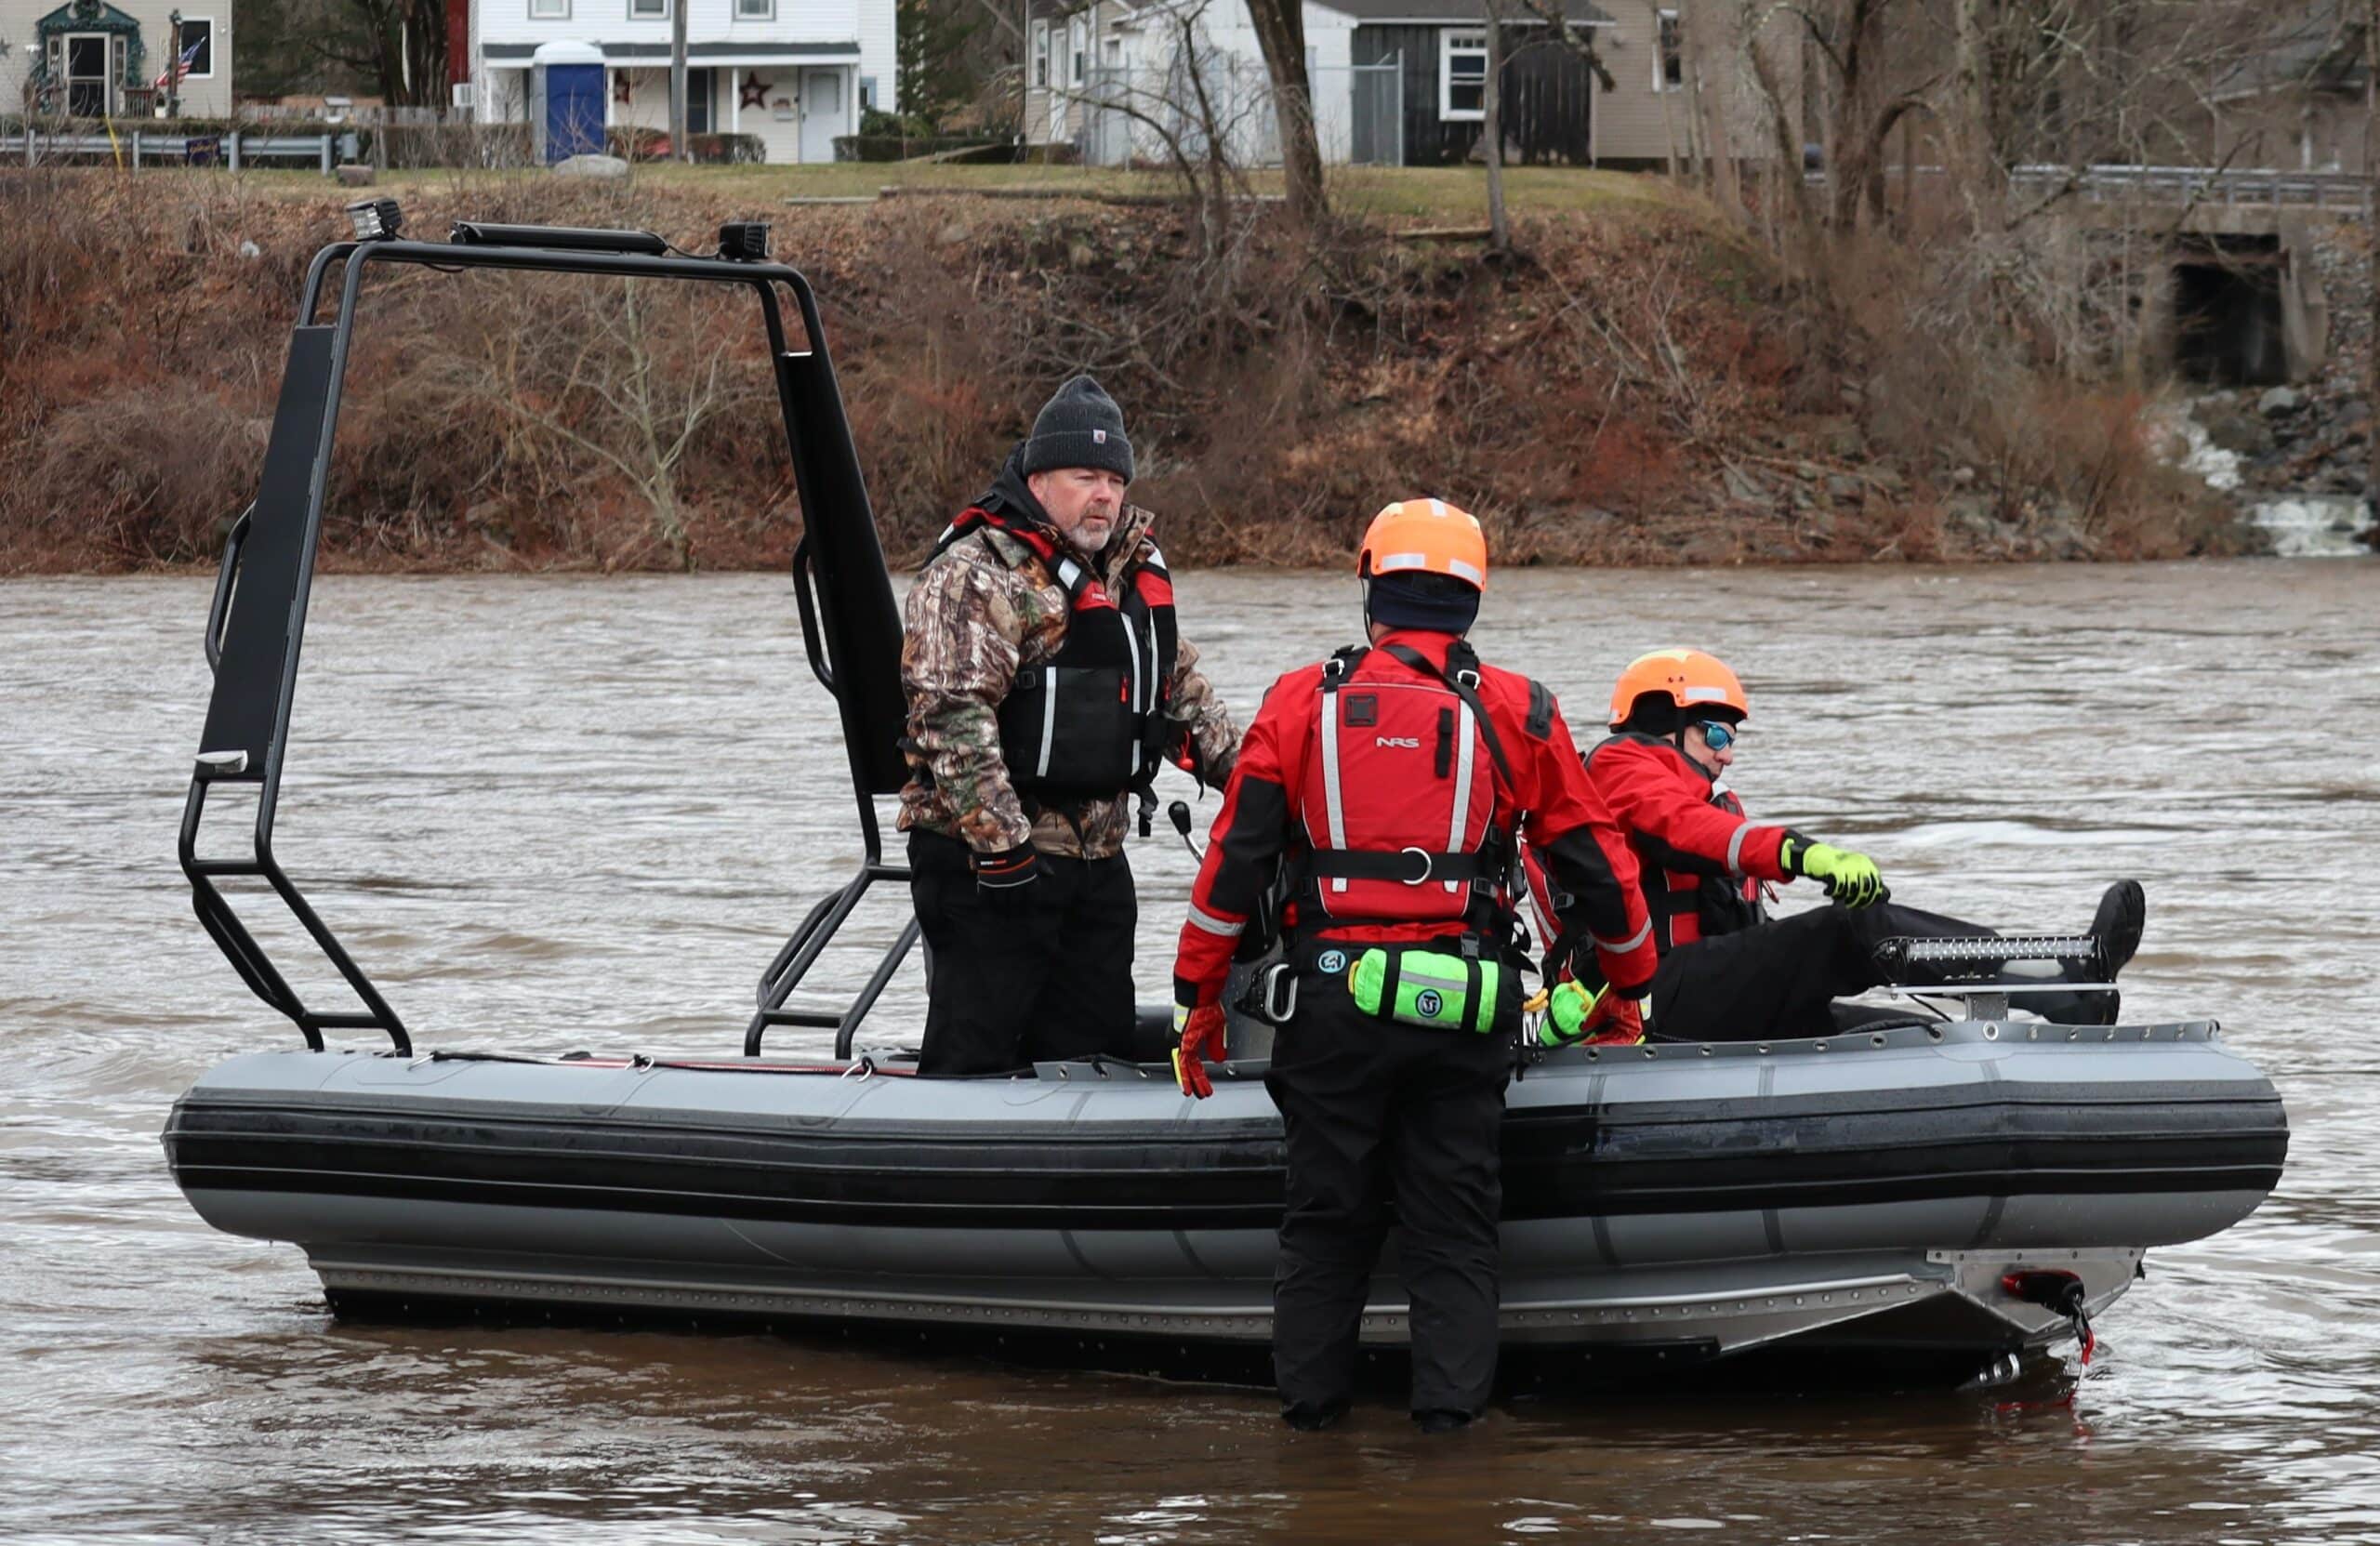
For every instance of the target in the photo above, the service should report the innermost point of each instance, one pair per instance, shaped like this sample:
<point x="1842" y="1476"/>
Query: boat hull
<point x="1864" y="1191"/>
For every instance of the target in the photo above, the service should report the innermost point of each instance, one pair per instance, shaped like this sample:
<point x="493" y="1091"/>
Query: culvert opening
<point x="2226" y="311"/>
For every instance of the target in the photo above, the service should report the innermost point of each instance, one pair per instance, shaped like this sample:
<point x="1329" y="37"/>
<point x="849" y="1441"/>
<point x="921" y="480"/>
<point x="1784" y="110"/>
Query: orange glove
<point x="1617" y="1020"/>
<point x="1202" y="1043"/>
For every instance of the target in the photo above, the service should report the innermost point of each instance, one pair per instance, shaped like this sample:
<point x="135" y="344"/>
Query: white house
<point x="1395" y="82"/>
<point x="796" y="73"/>
<point x="90" y="59"/>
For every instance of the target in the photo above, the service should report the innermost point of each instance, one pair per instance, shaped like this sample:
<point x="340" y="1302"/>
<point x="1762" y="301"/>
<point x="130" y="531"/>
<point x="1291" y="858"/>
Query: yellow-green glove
<point x="1599" y="1017"/>
<point x="1850" y="879"/>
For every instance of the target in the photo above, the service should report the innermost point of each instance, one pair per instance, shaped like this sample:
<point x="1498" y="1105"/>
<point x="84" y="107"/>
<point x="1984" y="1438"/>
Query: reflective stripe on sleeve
<point x="1634" y="941"/>
<point x="1201" y="919"/>
<point x="1736" y="848"/>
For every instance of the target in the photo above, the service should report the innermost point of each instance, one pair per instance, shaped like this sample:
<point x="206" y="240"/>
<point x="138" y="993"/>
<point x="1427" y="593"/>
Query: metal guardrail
<point x="2256" y="187"/>
<point x="2247" y="187"/>
<point x="234" y="149"/>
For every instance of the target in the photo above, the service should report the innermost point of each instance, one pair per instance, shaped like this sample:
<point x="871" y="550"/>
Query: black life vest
<point x="1089" y="722"/>
<point x="1406" y="808"/>
<point x="1695" y="898"/>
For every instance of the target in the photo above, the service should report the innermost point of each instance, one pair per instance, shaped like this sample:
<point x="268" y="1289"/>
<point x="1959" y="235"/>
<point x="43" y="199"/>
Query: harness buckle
<point x="1427" y="865"/>
<point x="1468" y="678"/>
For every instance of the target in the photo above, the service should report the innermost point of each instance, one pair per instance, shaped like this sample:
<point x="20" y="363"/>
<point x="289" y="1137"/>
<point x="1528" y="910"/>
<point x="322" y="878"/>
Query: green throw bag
<point x="1426" y="987"/>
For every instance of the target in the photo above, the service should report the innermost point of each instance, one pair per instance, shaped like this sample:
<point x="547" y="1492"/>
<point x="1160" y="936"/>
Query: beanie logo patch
<point x="1099" y="437"/>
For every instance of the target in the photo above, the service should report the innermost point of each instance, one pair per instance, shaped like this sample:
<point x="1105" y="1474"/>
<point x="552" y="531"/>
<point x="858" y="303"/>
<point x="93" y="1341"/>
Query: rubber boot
<point x="1309" y="1419"/>
<point x="1440" y="1419"/>
<point x="2124" y="909"/>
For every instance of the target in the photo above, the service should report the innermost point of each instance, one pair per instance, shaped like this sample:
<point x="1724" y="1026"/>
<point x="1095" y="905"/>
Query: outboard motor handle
<point x="1178" y="812"/>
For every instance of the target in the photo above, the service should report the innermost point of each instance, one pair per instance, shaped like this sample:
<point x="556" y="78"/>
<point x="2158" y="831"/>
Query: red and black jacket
<point x="1703" y="859"/>
<point x="1089" y="722"/>
<point x="1393" y="804"/>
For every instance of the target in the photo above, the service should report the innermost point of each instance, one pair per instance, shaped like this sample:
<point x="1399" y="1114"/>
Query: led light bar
<point x="480" y="233"/>
<point x="1972" y="959"/>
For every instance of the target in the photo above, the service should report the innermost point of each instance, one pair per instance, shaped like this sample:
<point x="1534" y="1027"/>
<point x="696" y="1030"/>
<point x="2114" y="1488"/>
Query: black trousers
<point x="1379" y="1116"/>
<point x="1779" y="980"/>
<point x="1013" y="977"/>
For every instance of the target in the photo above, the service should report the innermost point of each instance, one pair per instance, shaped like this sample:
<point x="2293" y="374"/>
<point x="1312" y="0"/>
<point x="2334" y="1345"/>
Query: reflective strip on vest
<point x="1049" y="722"/>
<point x="1461" y="789"/>
<point x="1333" y="815"/>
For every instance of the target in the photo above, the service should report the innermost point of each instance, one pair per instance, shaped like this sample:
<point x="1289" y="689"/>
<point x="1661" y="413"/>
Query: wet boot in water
<point x="1308" y="1418"/>
<point x="2117" y="925"/>
<point x="1441" y="1420"/>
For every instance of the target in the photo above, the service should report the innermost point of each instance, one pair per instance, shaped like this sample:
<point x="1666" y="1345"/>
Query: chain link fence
<point x="1140" y="114"/>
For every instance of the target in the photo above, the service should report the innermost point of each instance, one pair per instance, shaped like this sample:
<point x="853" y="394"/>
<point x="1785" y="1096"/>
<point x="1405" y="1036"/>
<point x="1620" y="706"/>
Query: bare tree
<point x="2371" y="173"/>
<point x="1281" y="33"/>
<point x="1194" y="118"/>
<point x="577" y="376"/>
<point x="1499" y="231"/>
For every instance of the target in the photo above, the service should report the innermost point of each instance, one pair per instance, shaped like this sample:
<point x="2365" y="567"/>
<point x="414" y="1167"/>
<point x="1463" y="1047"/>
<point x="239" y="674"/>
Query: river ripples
<point x="555" y="813"/>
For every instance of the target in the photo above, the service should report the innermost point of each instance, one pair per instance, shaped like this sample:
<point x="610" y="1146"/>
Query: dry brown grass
<point x="1635" y="389"/>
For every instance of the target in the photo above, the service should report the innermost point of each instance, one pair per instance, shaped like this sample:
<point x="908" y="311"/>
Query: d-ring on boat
<point x="1951" y="1189"/>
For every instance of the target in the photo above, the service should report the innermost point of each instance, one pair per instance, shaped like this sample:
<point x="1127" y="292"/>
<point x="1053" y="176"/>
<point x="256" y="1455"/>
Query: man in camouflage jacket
<point x="1025" y="900"/>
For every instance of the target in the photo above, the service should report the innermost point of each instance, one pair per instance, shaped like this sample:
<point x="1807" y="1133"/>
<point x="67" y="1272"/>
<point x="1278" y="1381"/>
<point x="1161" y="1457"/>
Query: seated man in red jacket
<point x="1728" y="972"/>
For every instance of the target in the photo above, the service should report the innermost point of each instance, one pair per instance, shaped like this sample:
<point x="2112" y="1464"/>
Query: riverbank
<point x="1635" y="385"/>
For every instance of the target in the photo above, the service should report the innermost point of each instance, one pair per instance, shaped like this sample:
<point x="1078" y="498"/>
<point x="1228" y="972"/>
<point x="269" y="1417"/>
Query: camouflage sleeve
<point x="959" y="654"/>
<point x="1214" y="739"/>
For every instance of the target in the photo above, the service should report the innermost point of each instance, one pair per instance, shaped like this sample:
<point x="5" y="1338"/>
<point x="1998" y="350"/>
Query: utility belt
<point x="1444" y="984"/>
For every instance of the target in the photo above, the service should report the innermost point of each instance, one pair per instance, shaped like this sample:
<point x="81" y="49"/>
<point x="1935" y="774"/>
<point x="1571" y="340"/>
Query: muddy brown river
<point x="551" y="813"/>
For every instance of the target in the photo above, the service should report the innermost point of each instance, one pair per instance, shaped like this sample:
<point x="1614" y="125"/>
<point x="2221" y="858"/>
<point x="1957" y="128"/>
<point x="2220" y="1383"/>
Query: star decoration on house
<point x="754" y="93"/>
<point x="623" y="89"/>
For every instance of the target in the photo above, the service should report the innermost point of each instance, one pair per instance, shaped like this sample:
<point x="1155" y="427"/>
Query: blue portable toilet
<point x="567" y="98"/>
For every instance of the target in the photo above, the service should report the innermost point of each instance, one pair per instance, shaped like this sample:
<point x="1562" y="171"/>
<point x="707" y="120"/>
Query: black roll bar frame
<point x="268" y="557"/>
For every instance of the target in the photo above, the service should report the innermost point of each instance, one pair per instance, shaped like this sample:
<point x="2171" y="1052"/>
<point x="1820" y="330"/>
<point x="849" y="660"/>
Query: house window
<point x="198" y="33"/>
<point x="1041" y="53"/>
<point x="867" y="93"/>
<point x="549" y="10"/>
<point x="1078" y="39"/>
<point x="1673" y="52"/>
<point x="756" y="10"/>
<point x="648" y="10"/>
<point x="1462" y="74"/>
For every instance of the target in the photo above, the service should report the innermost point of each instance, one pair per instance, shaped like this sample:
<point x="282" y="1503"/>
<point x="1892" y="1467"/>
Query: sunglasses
<point x="1716" y="734"/>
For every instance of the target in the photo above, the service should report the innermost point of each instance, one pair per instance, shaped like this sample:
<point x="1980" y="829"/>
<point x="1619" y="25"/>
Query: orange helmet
<point x="1688" y="678"/>
<point x="1427" y="536"/>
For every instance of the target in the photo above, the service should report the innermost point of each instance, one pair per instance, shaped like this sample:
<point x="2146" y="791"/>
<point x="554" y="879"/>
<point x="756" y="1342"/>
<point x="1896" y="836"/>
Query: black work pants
<point x="1379" y="1115"/>
<point x="1034" y="973"/>
<point x="1779" y="980"/>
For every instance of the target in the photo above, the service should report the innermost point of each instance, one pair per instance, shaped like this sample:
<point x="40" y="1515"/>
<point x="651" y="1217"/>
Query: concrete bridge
<point x="2245" y="303"/>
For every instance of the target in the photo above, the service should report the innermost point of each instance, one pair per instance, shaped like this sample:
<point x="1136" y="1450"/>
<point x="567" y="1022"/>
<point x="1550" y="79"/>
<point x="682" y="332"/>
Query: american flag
<point x="172" y="75"/>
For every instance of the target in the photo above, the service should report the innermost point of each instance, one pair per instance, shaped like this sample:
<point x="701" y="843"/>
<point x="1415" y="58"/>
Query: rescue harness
<point x="1418" y="841"/>
<point x="1091" y="721"/>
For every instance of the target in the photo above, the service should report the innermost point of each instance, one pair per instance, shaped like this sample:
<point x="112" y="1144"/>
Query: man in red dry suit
<point x="1390" y="787"/>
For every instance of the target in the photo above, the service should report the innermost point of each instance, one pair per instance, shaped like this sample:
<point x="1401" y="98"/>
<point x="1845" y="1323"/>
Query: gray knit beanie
<point x="1080" y="426"/>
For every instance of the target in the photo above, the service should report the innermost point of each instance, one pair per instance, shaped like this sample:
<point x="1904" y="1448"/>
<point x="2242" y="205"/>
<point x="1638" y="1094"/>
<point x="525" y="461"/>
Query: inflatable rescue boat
<point x="1963" y="1183"/>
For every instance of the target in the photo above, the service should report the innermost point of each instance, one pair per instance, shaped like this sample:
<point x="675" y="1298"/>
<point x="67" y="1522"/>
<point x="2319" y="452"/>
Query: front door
<point x="699" y="95"/>
<point x="86" y="75"/>
<point x="822" y="113"/>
